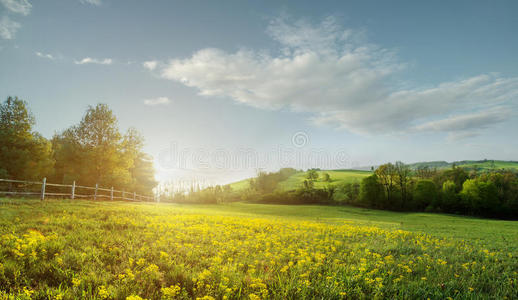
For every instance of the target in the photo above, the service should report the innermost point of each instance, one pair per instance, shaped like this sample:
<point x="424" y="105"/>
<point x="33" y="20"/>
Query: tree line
<point x="392" y="186"/>
<point x="94" y="151"/>
<point x="396" y="187"/>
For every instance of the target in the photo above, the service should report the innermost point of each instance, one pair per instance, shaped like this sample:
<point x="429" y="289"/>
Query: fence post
<point x="73" y="190"/>
<point x="134" y="196"/>
<point x="43" y="188"/>
<point x="123" y="195"/>
<point x="111" y="194"/>
<point x="95" y="194"/>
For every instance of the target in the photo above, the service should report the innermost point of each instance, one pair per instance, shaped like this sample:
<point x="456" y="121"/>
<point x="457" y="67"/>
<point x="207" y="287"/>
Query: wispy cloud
<point x="150" y="65"/>
<point x="92" y="2"/>
<point x="8" y="28"/>
<point x="480" y="119"/>
<point x="43" y="55"/>
<point x="344" y="81"/>
<point x="157" y="101"/>
<point x="466" y="125"/>
<point x="17" y="6"/>
<point x="89" y="60"/>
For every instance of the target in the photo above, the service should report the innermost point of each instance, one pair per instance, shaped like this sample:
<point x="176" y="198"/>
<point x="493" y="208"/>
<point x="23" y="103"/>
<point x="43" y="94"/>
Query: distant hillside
<point x="344" y="176"/>
<point x="479" y="165"/>
<point x="295" y="181"/>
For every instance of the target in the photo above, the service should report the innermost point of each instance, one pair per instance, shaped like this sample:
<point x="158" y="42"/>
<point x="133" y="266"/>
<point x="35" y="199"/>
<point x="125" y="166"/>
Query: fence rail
<point x="72" y="188"/>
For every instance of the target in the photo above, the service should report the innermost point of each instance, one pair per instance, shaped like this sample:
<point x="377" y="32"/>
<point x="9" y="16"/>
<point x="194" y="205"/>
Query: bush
<point x="348" y="193"/>
<point x="449" y="200"/>
<point x="425" y="194"/>
<point x="371" y="192"/>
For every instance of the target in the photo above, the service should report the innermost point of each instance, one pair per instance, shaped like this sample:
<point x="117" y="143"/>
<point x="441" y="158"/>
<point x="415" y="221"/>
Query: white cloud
<point x="456" y="136"/>
<point x="342" y="79"/>
<point x="92" y="2"/>
<point x="480" y="119"/>
<point x="466" y="125"/>
<point x="43" y="55"/>
<point x="89" y="60"/>
<point x="157" y="101"/>
<point x="17" y="6"/>
<point x="150" y="65"/>
<point x="8" y="28"/>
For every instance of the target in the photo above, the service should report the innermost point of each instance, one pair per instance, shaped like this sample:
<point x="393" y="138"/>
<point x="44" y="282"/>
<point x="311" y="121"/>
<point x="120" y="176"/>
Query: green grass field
<point x="296" y="180"/>
<point x="63" y="249"/>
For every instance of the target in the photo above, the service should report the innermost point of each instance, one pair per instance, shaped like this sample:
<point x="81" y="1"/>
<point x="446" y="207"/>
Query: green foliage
<point x="372" y="192"/>
<point x="387" y="176"/>
<point x="456" y="174"/>
<point x="490" y="194"/>
<point x="209" y="195"/>
<point x="312" y="174"/>
<point x="425" y="194"/>
<point x="347" y="193"/>
<point x="469" y="165"/>
<point x="395" y="187"/>
<point x="24" y="154"/>
<point x="480" y="196"/>
<point x="267" y="182"/>
<point x="94" y="151"/>
<point x="296" y="180"/>
<point x="425" y="172"/>
<point x="326" y="177"/>
<point x="308" y="184"/>
<point x="449" y="197"/>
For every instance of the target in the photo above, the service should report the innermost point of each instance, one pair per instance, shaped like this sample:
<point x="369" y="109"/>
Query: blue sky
<point x="333" y="84"/>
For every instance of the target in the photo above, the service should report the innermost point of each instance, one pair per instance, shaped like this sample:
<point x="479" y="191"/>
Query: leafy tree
<point x="24" y="153"/>
<point x="402" y="173"/>
<point x="449" y="199"/>
<point x="312" y="174"/>
<point x="265" y="182"/>
<point x="372" y="192"/>
<point x="326" y="177"/>
<point x="425" y="194"/>
<point x="99" y="136"/>
<point x="456" y="174"/>
<point x="140" y="164"/>
<point x="480" y="196"/>
<point x="387" y="176"/>
<point x="425" y="172"/>
<point x="308" y="184"/>
<point x="348" y="192"/>
<point x="285" y="173"/>
<point x="94" y="151"/>
<point x="143" y="174"/>
<point x="69" y="157"/>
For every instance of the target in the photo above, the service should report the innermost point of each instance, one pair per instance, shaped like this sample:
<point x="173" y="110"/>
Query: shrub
<point x="425" y="194"/>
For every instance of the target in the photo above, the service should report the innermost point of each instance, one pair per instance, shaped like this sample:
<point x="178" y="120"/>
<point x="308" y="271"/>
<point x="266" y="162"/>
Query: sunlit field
<point x="60" y="249"/>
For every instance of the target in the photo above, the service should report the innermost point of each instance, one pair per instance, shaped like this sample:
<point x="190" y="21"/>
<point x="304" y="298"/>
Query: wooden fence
<point x="72" y="191"/>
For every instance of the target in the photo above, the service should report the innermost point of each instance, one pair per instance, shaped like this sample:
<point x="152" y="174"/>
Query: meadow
<point x="63" y="249"/>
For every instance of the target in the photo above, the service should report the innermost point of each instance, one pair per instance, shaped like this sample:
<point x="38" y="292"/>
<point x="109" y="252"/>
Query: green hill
<point x="345" y="176"/>
<point x="295" y="181"/>
<point x="479" y="165"/>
